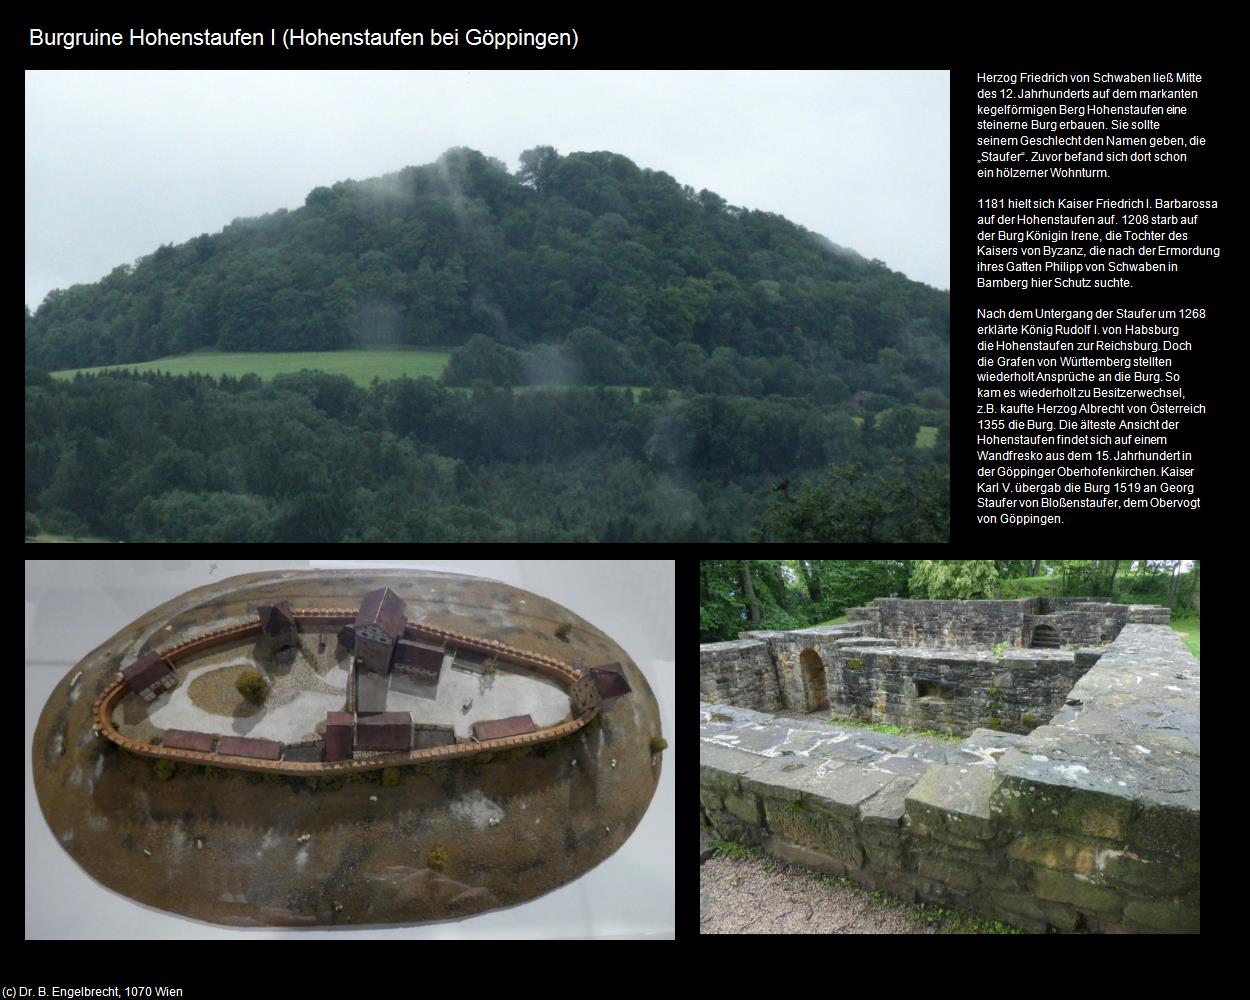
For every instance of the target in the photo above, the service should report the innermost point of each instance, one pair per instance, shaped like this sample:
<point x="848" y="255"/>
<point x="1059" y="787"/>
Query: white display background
<point x="74" y="605"/>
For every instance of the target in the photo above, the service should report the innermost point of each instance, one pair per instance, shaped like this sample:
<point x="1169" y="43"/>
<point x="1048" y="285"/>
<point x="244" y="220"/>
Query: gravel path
<point x="743" y="897"/>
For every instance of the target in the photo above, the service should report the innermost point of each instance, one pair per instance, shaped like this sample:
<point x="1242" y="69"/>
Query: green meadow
<point x="362" y="366"/>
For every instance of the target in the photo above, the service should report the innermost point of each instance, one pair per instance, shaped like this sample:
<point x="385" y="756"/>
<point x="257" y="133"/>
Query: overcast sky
<point x="118" y="163"/>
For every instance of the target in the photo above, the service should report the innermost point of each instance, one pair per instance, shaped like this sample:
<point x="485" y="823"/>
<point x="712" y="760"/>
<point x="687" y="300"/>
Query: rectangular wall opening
<point x="935" y="689"/>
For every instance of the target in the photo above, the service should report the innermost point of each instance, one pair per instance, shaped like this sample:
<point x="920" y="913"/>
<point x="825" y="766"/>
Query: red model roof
<point x="182" y="739"/>
<point x="339" y="735"/>
<point x="384" y="731"/>
<point x="415" y="654"/>
<point x="276" y="618"/>
<point x="497" y="729"/>
<point x="237" y="746"/>
<point x="384" y="607"/>
<point x="610" y="680"/>
<point x="145" y="672"/>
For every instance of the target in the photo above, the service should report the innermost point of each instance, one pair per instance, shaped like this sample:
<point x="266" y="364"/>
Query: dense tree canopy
<point x="793" y="593"/>
<point x="781" y="380"/>
<point x="626" y="275"/>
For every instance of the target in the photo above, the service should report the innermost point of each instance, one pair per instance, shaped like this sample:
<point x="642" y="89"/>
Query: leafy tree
<point x="537" y="165"/>
<point x="485" y="359"/>
<point x="32" y="525"/>
<point x="954" y="579"/>
<point x="852" y="505"/>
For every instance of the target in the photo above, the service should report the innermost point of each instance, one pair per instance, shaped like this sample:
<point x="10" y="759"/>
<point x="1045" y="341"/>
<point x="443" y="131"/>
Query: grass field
<point x="361" y="366"/>
<point x="65" y="538"/>
<point x="1190" y="629"/>
<point x="637" y="390"/>
<point x="926" y="437"/>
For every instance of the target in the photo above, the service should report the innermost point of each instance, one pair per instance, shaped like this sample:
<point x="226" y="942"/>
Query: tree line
<point x="738" y="595"/>
<point x="583" y="268"/>
<point x="312" y="456"/>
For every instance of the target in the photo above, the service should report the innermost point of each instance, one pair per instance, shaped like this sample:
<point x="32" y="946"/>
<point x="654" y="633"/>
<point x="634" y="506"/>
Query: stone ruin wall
<point x="953" y="692"/>
<point x="1091" y="822"/>
<point x="739" y="673"/>
<point x="1079" y="621"/>
<point x="887" y="666"/>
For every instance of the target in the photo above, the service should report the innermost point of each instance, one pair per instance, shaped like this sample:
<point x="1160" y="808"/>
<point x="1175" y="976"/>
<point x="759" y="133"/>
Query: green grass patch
<point x="637" y="390"/>
<point x="67" y="538"/>
<point x="1190" y="629"/>
<point x="361" y="365"/>
<point x="892" y="730"/>
<point x="840" y="620"/>
<point x="731" y="849"/>
<point x="926" y="437"/>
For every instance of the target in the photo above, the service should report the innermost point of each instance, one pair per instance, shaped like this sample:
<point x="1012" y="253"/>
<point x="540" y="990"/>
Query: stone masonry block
<point x="1162" y="915"/>
<point x="745" y="807"/>
<point x="813" y="829"/>
<point x="806" y="857"/>
<point x="720" y="767"/>
<point x="952" y="875"/>
<point x="1022" y="802"/>
<point x="1065" y="887"/>
<point x="1059" y="852"/>
<point x="955" y="800"/>
<point x="842" y="792"/>
<point x="1166" y="829"/>
<point x="887" y="808"/>
<point x="1157" y="874"/>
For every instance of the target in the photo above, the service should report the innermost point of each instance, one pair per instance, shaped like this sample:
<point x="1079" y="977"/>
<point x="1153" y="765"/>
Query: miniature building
<point x="416" y="658"/>
<point x="384" y="731"/>
<point x="182" y="739"/>
<point x="277" y="623"/>
<point x="149" y="677"/>
<point x="339" y="735"/>
<point x="610" y="680"/>
<point x="378" y="625"/>
<point x="584" y="694"/>
<point x="497" y="729"/>
<point x="238" y="746"/>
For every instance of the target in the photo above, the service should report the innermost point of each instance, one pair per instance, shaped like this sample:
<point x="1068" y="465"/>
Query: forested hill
<point x="634" y="277"/>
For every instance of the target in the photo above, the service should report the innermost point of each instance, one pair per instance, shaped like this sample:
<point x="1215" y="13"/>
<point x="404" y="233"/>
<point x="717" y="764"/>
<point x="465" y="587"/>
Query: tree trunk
<point x="812" y="581"/>
<point x="1035" y="567"/>
<point x="1193" y="584"/>
<point x="749" y="591"/>
<point x="1172" y="583"/>
<point x="1115" y="568"/>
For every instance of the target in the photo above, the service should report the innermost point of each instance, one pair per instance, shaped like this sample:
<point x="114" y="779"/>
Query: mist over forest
<point x="722" y="373"/>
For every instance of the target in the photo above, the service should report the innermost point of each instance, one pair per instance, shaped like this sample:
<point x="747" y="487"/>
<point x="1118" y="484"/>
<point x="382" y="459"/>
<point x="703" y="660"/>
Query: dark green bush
<point x="252" y="686"/>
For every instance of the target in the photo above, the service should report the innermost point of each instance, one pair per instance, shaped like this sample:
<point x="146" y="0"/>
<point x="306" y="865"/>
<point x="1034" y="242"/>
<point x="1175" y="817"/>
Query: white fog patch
<point x="301" y="858"/>
<point x="477" y="809"/>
